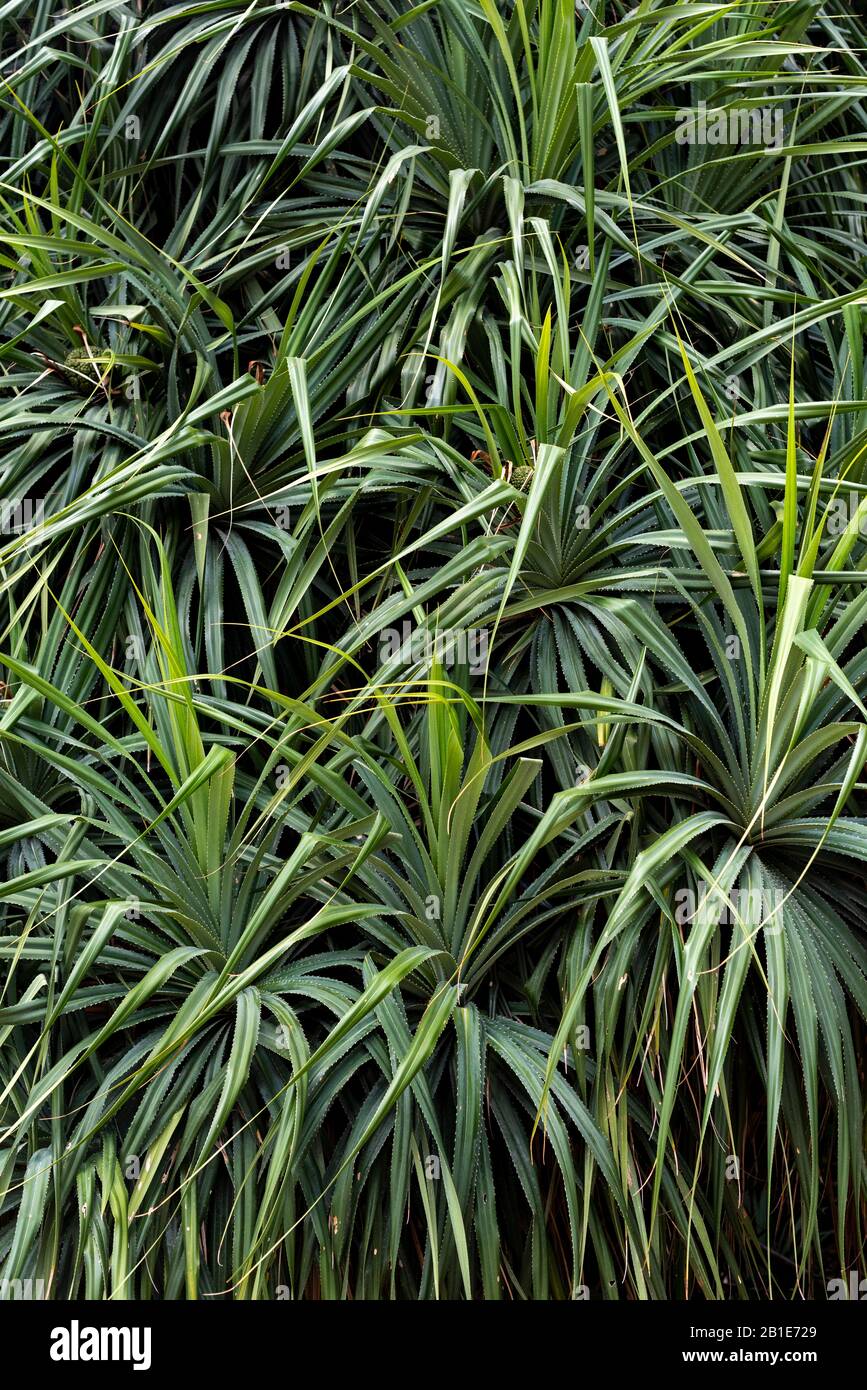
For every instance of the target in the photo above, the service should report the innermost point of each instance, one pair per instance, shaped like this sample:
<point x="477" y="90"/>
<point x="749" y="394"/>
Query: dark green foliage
<point x="432" y="803"/>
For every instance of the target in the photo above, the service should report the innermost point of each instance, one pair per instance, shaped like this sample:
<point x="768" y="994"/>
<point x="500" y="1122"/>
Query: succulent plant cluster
<point x="433" y="727"/>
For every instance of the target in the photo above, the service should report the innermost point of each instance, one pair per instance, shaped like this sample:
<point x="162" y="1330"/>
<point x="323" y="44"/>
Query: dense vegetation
<point x="434" y="510"/>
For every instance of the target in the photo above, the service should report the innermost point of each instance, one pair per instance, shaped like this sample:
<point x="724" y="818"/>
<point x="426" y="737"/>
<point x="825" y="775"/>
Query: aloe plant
<point x="433" y="711"/>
